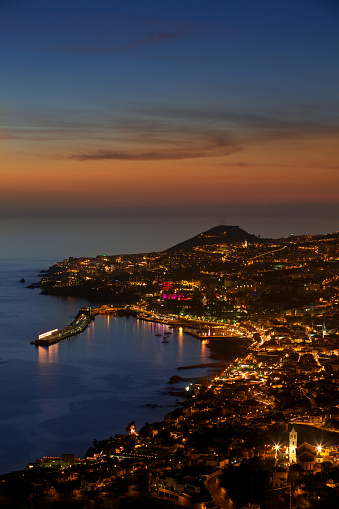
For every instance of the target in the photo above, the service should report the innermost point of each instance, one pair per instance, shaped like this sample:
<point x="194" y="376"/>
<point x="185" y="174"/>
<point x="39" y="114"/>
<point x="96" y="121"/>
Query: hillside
<point x="222" y="234"/>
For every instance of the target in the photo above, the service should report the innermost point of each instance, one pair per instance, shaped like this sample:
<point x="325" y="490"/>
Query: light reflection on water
<point x="48" y="354"/>
<point x="57" y="399"/>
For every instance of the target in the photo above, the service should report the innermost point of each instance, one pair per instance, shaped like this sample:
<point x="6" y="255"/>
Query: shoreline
<point x="219" y="350"/>
<point x="224" y="357"/>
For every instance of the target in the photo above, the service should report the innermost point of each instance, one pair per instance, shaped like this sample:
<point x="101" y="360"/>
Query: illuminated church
<point x="292" y="446"/>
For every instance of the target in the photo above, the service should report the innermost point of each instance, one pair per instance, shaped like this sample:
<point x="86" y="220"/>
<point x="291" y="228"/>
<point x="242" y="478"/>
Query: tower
<point x="293" y="443"/>
<point x="324" y="331"/>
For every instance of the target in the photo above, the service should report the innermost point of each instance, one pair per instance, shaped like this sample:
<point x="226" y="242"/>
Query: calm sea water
<point x="59" y="238"/>
<point x="58" y="399"/>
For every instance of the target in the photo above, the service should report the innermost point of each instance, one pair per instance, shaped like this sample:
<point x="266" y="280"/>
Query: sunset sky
<point x="148" y="107"/>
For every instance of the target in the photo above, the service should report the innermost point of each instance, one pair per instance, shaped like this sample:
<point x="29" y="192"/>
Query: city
<point x="169" y="262"/>
<point x="262" y="431"/>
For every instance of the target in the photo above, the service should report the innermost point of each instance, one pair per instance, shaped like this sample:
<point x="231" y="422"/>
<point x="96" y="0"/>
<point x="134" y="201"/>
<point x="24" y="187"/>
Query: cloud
<point x="148" y="39"/>
<point x="154" y="38"/>
<point x="165" y="134"/>
<point x="151" y="134"/>
<point x="272" y="124"/>
<point x="277" y="165"/>
<point x="220" y="147"/>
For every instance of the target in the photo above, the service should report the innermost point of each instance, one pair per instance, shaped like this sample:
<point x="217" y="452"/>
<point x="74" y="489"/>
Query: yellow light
<point x="49" y="333"/>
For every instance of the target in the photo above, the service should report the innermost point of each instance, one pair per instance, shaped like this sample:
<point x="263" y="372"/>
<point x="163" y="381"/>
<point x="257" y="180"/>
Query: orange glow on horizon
<point x="285" y="170"/>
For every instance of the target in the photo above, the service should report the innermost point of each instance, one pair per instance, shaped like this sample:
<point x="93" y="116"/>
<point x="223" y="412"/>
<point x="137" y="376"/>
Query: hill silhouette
<point x="222" y="234"/>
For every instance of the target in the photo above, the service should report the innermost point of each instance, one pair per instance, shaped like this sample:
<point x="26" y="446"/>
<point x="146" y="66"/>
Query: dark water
<point x="58" y="399"/>
<point x="60" y="238"/>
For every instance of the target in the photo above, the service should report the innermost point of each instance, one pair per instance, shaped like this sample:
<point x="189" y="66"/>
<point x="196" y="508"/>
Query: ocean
<point x="59" y="238"/>
<point x="59" y="399"/>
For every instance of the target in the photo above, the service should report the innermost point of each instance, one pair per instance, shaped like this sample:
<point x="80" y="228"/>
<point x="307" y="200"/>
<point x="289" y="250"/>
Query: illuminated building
<point x="292" y="449"/>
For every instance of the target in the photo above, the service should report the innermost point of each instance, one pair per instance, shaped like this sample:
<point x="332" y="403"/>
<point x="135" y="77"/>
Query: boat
<point x="158" y="334"/>
<point x="165" y="340"/>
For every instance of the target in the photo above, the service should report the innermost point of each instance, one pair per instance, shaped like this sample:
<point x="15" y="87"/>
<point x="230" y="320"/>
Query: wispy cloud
<point x="153" y="38"/>
<point x="220" y="147"/>
<point x="277" y="165"/>
<point x="270" y="123"/>
<point x="151" y="134"/>
<point x="182" y="134"/>
<point x="150" y="38"/>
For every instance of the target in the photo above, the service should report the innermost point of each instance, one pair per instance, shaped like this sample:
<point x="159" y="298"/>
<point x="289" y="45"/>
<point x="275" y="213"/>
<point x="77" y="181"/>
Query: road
<point x="316" y="425"/>
<point x="218" y="493"/>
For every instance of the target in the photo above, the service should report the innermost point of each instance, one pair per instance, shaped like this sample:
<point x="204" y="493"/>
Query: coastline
<point x="220" y="353"/>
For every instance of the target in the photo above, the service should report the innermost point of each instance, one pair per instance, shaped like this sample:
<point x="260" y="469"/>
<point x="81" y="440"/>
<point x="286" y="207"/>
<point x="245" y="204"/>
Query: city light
<point x="46" y="334"/>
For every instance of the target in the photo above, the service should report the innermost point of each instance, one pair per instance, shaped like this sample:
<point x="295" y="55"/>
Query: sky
<point x="171" y="108"/>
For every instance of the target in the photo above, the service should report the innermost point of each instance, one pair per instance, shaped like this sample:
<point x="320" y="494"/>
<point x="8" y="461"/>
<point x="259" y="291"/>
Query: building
<point x="292" y="446"/>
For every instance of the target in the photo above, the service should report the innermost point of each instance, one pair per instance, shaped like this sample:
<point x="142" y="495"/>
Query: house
<point x="306" y="456"/>
<point x="109" y="501"/>
<point x="279" y="478"/>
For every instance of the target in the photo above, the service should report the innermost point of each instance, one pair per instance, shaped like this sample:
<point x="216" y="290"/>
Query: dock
<point x="79" y="324"/>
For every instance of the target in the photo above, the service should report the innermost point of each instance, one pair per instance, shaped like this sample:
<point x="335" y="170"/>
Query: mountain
<point x="217" y="235"/>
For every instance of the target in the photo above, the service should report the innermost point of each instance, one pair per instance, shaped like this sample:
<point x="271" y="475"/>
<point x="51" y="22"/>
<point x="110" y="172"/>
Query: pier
<point x="79" y="324"/>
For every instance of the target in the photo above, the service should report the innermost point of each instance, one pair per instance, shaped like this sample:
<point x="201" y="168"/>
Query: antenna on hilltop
<point x="222" y="221"/>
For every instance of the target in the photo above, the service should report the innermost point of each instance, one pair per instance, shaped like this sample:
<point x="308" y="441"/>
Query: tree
<point x="246" y="482"/>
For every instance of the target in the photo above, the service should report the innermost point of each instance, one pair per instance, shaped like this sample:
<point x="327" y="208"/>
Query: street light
<point x="276" y="447"/>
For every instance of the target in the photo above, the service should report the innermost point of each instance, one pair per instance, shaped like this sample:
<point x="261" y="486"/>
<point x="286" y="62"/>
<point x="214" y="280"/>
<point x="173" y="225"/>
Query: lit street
<point x="218" y="493"/>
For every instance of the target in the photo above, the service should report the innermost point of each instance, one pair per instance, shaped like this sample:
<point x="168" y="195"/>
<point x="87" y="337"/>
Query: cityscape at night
<point x="169" y="254"/>
<point x="261" y="429"/>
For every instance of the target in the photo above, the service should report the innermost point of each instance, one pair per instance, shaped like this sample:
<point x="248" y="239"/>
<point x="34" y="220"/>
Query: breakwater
<point x="79" y="324"/>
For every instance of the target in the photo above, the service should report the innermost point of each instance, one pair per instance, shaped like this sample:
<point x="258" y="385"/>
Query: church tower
<point x="293" y="444"/>
<point x="324" y="331"/>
